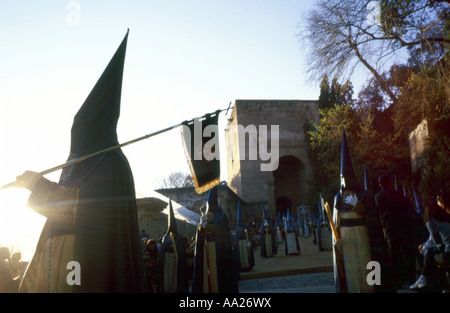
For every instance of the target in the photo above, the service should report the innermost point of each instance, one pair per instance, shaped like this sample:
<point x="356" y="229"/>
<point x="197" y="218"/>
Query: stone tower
<point x="267" y="157"/>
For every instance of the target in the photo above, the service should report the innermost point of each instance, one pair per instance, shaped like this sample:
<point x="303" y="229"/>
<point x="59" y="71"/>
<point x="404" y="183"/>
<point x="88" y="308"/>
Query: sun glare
<point x="20" y="227"/>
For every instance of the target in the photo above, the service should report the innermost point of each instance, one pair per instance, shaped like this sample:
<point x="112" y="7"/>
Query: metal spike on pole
<point x="83" y="158"/>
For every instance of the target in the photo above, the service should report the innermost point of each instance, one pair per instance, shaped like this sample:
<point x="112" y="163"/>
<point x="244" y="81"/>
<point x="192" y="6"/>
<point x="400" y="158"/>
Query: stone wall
<point x="417" y="144"/>
<point x="246" y="181"/>
<point x="244" y="174"/>
<point x="155" y="222"/>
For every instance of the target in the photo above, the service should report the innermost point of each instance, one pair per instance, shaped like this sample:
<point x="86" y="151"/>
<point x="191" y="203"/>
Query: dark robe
<point x="266" y="243"/>
<point x="352" y="255"/>
<point x="356" y="250"/>
<point x="273" y="232"/>
<point x="394" y="210"/>
<point x="181" y="269"/>
<point x="105" y="224"/>
<point x="107" y="243"/>
<point x="240" y="240"/>
<point x="215" y="230"/>
<point x="173" y="276"/>
<point x="291" y="239"/>
<point x="378" y="247"/>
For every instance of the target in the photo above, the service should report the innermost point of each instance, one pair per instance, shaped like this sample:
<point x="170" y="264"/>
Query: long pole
<point x="83" y="158"/>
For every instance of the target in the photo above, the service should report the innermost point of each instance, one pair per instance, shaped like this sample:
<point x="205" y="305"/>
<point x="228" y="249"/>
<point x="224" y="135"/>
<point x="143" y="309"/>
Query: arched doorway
<point x="288" y="183"/>
<point x="282" y="204"/>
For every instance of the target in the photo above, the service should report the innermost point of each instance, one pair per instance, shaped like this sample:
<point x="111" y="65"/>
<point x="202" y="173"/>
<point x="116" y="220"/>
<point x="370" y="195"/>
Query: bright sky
<point x="184" y="58"/>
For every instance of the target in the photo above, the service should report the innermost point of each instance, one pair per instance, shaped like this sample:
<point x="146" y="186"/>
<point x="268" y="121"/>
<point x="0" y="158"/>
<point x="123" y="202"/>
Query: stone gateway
<point x="249" y="149"/>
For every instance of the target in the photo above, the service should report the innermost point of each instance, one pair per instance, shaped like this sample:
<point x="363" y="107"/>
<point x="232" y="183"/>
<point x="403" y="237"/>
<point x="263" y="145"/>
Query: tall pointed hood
<point x="264" y="213"/>
<point x="348" y="178"/>
<point x="213" y="202"/>
<point x="240" y="216"/>
<point x="94" y="125"/>
<point x="367" y="182"/>
<point x="278" y="219"/>
<point x="319" y="210"/>
<point x="172" y="223"/>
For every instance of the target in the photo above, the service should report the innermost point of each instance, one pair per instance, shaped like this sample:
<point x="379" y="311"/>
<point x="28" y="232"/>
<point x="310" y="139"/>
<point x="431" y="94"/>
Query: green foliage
<point x="426" y="95"/>
<point x="324" y="140"/>
<point x="334" y="94"/>
<point x="392" y="104"/>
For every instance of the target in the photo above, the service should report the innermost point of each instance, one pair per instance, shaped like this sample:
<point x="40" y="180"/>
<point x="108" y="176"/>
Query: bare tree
<point x="342" y="34"/>
<point x="177" y="180"/>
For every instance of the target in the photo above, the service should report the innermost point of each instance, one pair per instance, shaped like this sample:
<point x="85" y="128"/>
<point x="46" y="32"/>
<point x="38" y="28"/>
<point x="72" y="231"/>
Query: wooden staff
<point x="339" y="257"/>
<point x="330" y="220"/>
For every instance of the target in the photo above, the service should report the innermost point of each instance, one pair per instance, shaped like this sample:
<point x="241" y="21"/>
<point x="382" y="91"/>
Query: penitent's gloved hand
<point x="28" y="180"/>
<point x="352" y="199"/>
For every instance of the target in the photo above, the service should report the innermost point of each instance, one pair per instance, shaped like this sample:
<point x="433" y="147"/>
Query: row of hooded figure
<point x="321" y="229"/>
<point x="304" y="220"/>
<point x="282" y="231"/>
<point x="269" y="234"/>
<point x="215" y="268"/>
<point x="219" y="254"/>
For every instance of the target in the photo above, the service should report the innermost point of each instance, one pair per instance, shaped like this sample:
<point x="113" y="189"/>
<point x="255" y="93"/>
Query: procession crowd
<point x="12" y="267"/>
<point x="428" y="254"/>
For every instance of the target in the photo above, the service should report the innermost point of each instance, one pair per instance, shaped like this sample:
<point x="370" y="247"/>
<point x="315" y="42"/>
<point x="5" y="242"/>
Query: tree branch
<point x="381" y="81"/>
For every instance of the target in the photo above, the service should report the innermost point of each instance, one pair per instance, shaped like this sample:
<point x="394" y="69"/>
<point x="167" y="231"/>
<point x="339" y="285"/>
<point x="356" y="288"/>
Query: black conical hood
<point x="94" y="126"/>
<point x="348" y="178"/>
<point x="264" y="213"/>
<point x="213" y="202"/>
<point x="172" y="223"/>
<point x="367" y="182"/>
<point x="240" y="215"/>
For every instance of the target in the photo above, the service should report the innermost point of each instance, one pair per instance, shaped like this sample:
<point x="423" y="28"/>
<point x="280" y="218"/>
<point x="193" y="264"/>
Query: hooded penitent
<point x="348" y="181"/>
<point x="347" y="175"/>
<point x="265" y="232"/>
<point x="279" y="228"/>
<point x="353" y="251"/>
<point x="325" y="234"/>
<point x="292" y="245"/>
<point x="273" y="230"/>
<point x="242" y="242"/>
<point x="215" y="269"/>
<point x="105" y="227"/>
<point x="94" y="126"/>
<point x="172" y="259"/>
